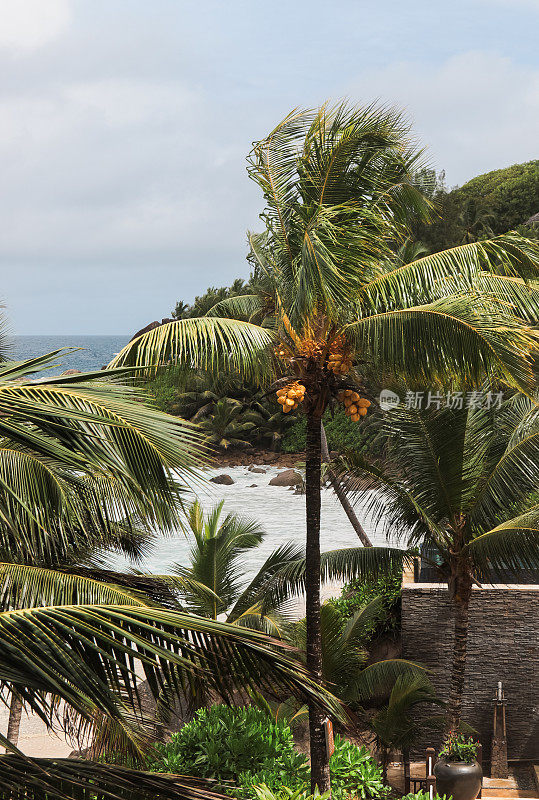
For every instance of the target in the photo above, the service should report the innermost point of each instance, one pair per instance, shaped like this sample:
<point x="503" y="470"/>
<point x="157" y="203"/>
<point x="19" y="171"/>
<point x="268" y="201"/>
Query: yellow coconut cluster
<point x="355" y="406"/>
<point x="339" y="359"/>
<point x="311" y="348"/>
<point x="291" y="396"/>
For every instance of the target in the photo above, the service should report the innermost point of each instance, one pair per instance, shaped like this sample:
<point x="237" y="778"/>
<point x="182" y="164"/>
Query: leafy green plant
<point x="263" y="792"/>
<point x="421" y="795"/>
<point x="458" y="747"/>
<point x="360" y="592"/>
<point x="241" y="745"/>
<point x="252" y="755"/>
<point x="354" y="772"/>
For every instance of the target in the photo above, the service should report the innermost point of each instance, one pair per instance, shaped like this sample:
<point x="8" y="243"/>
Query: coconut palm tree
<point x="339" y="190"/>
<point x="462" y="484"/>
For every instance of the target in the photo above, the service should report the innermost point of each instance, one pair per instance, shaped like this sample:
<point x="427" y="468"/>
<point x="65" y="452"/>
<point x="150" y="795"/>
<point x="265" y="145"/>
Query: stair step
<point x="500" y="783"/>
<point x="507" y="793"/>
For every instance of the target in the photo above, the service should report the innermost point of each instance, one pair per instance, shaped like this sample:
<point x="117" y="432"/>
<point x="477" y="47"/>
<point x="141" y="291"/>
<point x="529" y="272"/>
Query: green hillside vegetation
<point x="510" y="194"/>
<point x="487" y="205"/>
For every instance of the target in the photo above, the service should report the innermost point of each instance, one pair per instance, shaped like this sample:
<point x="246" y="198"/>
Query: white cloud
<point x="29" y="24"/>
<point x="476" y="112"/>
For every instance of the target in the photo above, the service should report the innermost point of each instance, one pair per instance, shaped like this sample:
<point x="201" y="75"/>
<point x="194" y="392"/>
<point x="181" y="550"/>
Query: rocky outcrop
<point x="150" y="327"/>
<point x="223" y="480"/>
<point x="287" y="478"/>
<point x="258" y="470"/>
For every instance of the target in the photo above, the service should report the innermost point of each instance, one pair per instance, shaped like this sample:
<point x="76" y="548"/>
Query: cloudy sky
<point x="124" y="126"/>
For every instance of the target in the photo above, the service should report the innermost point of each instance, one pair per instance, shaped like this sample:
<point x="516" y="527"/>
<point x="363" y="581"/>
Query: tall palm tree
<point x="339" y="189"/>
<point x="463" y="486"/>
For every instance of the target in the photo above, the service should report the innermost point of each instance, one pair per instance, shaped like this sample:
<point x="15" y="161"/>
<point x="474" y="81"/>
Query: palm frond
<point x="379" y="678"/>
<point x="59" y="779"/>
<point x="508" y="548"/>
<point x="24" y="586"/>
<point x="87" y="654"/>
<point x="462" y="336"/>
<point x="243" y="306"/>
<point x="417" y="282"/>
<point x="260" y="589"/>
<point x="345" y="565"/>
<point x="202" y="343"/>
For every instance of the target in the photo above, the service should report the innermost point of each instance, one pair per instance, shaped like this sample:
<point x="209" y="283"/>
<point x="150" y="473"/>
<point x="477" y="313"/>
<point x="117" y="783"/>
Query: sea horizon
<point x="93" y="351"/>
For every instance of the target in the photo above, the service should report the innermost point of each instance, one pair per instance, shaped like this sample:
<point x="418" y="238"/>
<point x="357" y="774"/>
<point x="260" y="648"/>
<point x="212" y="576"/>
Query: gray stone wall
<point x="503" y="644"/>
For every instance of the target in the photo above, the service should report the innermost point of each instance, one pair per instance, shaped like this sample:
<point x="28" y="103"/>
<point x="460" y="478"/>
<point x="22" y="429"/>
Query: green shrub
<point x="358" y="593"/>
<point x="250" y="755"/>
<point x="354" y="772"/>
<point x="232" y="744"/>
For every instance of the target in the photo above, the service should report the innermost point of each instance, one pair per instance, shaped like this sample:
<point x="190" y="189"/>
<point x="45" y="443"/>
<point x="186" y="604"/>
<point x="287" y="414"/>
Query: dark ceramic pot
<point x="458" y="779"/>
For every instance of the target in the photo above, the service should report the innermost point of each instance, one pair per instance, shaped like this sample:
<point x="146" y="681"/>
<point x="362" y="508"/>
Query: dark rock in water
<point x="151" y="327"/>
<point x="225" y="480"/>
<point x="287" y="478"/>
<point x="257" y="469"/>
<point x="252" y="485"/>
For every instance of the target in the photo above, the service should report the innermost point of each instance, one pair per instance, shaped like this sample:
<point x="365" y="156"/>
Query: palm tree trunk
<point x="462" y="593"/>
<point x="341" y="494"/>
<point x="313" y="462"/>
<point x="14" y="723"/>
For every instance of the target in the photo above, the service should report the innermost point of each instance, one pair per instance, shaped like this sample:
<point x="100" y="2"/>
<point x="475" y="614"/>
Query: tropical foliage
<point x="360" y="592"/>
<point x="85" y="465"/>
<point x="335" y="301"/>
<point x="221" y="547"/>
<point x="242" y="749"/>
<point x="464" y="489"/>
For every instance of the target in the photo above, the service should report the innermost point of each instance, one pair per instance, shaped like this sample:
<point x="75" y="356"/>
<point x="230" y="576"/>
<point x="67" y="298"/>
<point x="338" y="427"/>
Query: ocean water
<point x="278" y="509"/>
<point x="93" y="352"/>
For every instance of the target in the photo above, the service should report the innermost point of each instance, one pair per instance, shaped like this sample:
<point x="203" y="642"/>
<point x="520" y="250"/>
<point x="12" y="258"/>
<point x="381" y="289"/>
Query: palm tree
<point x="226" y="426"/>
<point x="345" y="655"/>
<point x="463" y="487"/>
<point x="339" y="189"/>
<point x="221" y="545"/>
<point x="394" y="724"/>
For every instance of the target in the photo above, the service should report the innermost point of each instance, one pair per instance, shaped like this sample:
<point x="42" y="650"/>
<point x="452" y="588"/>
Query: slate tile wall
<point x="503" y="644"/>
